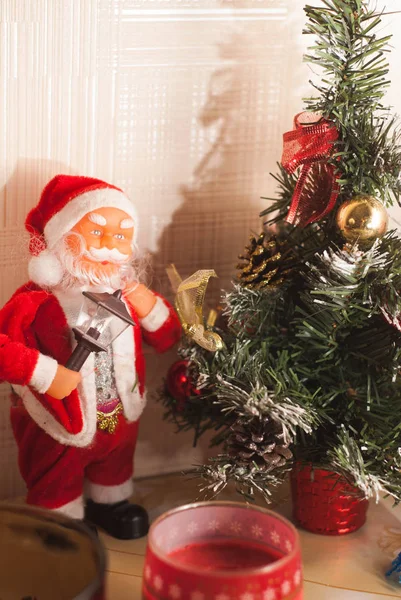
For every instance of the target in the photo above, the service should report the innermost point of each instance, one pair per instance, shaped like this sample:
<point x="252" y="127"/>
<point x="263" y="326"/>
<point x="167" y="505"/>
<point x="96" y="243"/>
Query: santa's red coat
<point x="35" y="332"/>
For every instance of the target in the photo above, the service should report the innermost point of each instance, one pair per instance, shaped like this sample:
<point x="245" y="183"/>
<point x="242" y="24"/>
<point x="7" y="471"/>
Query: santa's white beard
<point x="81" y="273"/>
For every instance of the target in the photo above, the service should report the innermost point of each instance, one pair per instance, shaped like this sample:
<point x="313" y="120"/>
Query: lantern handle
<point x="86" y="344"/>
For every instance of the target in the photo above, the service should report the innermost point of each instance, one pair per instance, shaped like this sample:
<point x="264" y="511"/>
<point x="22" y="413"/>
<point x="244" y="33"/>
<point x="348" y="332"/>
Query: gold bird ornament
<point x="189" y="299"/>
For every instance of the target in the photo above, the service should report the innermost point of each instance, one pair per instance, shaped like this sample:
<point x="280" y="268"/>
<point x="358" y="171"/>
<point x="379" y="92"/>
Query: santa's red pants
<point x="56" y="474"/>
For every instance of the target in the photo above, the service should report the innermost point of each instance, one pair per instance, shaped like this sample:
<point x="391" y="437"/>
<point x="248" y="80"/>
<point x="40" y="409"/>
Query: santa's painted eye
<point x="96" y="232"/>
<point x="119" y="236"/>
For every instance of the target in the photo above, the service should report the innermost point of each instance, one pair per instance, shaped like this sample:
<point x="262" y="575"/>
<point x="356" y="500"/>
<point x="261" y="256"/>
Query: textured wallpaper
<point x="182" y="103"/>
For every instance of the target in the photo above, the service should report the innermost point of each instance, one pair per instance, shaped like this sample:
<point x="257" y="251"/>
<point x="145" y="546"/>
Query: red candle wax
<point x="225" y="555"/>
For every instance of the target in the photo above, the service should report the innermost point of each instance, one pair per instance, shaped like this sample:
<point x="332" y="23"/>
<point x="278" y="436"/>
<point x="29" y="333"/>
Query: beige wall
<point x="182" y="103"/>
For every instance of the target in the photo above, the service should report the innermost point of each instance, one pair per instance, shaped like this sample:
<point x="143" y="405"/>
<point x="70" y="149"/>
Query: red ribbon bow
<point x="310" y="144"/>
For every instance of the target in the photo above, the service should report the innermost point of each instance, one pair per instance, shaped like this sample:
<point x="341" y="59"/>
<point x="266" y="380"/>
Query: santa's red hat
<point x="64" y="201"/>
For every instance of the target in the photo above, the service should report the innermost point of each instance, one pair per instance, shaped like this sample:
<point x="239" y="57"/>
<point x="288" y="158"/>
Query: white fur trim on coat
<point x="45" y="420"/>
<point x="74" y="509"/>
<point x="65" y="219"/>
<point x="70" y="304"/>
<point x="126" y="381"/>
<point x="109" y="494"/>
<point x="126" y="377"/>
<point x="43" y="373"/>
<point x="156" y="318"/>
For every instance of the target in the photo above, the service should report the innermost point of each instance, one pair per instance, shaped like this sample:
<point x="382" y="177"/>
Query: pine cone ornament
<point x="260" y="443"/>
<point x="267" y="262"/>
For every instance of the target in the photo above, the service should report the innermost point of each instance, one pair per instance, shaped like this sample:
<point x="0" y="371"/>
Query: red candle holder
<point x="222" y="551"/>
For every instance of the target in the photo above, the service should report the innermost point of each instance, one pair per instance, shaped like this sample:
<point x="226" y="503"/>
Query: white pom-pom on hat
<point x="45" y="269"/>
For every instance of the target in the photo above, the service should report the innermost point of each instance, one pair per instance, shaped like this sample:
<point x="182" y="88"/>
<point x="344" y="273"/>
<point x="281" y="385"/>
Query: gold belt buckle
<point x="108" y="421"/>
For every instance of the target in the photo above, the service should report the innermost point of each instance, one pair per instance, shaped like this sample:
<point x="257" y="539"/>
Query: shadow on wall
<point x="220" y="205"/>
<point x="251" y="101"/>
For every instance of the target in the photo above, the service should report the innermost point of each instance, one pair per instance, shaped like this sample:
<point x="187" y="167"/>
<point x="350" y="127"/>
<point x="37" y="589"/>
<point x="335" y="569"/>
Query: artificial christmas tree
<point x="312" y="351"/>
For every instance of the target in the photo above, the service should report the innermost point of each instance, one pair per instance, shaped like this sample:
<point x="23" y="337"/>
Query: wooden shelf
<point x="335" y="568"/>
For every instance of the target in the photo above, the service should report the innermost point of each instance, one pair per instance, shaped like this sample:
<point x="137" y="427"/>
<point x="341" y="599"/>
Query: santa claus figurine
<point x="82" y="234"/>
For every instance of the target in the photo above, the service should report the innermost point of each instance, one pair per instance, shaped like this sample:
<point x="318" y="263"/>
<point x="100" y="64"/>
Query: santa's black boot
<point x="121" y="520"/>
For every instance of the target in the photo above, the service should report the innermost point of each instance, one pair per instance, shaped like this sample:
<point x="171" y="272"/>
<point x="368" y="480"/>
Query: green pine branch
<point x="355" y="69"/>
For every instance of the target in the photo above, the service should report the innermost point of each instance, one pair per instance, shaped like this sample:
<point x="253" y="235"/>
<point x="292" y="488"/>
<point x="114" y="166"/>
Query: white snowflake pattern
<point x="247" y="596"/>
<point x="236" y="527"/>
<point x="148" y="572"/>
<point x="256" y="531"/>
<point x="158" y="583"/>
<point x="172" y="534"/>
<point x="196" y="595"/>
<point x="192" y="527"/>
<point x="269" y="594"/>
<point x="285" y="588"/>
<point x="213" y="525"/>
<point x="174" y="592"/>
<point x="275" y="538"/>
<point x="288" y="545"/>
<point x="297" y="577"/>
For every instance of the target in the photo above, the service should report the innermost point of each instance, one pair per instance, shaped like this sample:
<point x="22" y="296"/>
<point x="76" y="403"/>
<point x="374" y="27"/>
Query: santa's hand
<point x="142" y="299"/>
<point x="64" y="382"/>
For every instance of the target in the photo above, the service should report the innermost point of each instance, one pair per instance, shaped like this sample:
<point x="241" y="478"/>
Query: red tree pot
<point x="324" y="502"/>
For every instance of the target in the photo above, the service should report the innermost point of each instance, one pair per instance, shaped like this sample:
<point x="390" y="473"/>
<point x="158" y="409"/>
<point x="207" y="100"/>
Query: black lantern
<point x="103" y="317"/>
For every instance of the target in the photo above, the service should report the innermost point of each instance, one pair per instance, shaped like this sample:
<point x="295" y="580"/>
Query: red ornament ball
<point x="180" y="384"/>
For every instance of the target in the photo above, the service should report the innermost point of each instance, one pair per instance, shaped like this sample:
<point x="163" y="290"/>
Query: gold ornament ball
<point x="362" y="219"/>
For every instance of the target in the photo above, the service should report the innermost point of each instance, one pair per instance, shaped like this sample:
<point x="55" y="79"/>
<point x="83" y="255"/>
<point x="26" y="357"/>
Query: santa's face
<point x="98" y="250"/>
<point x="108" y="234"/>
